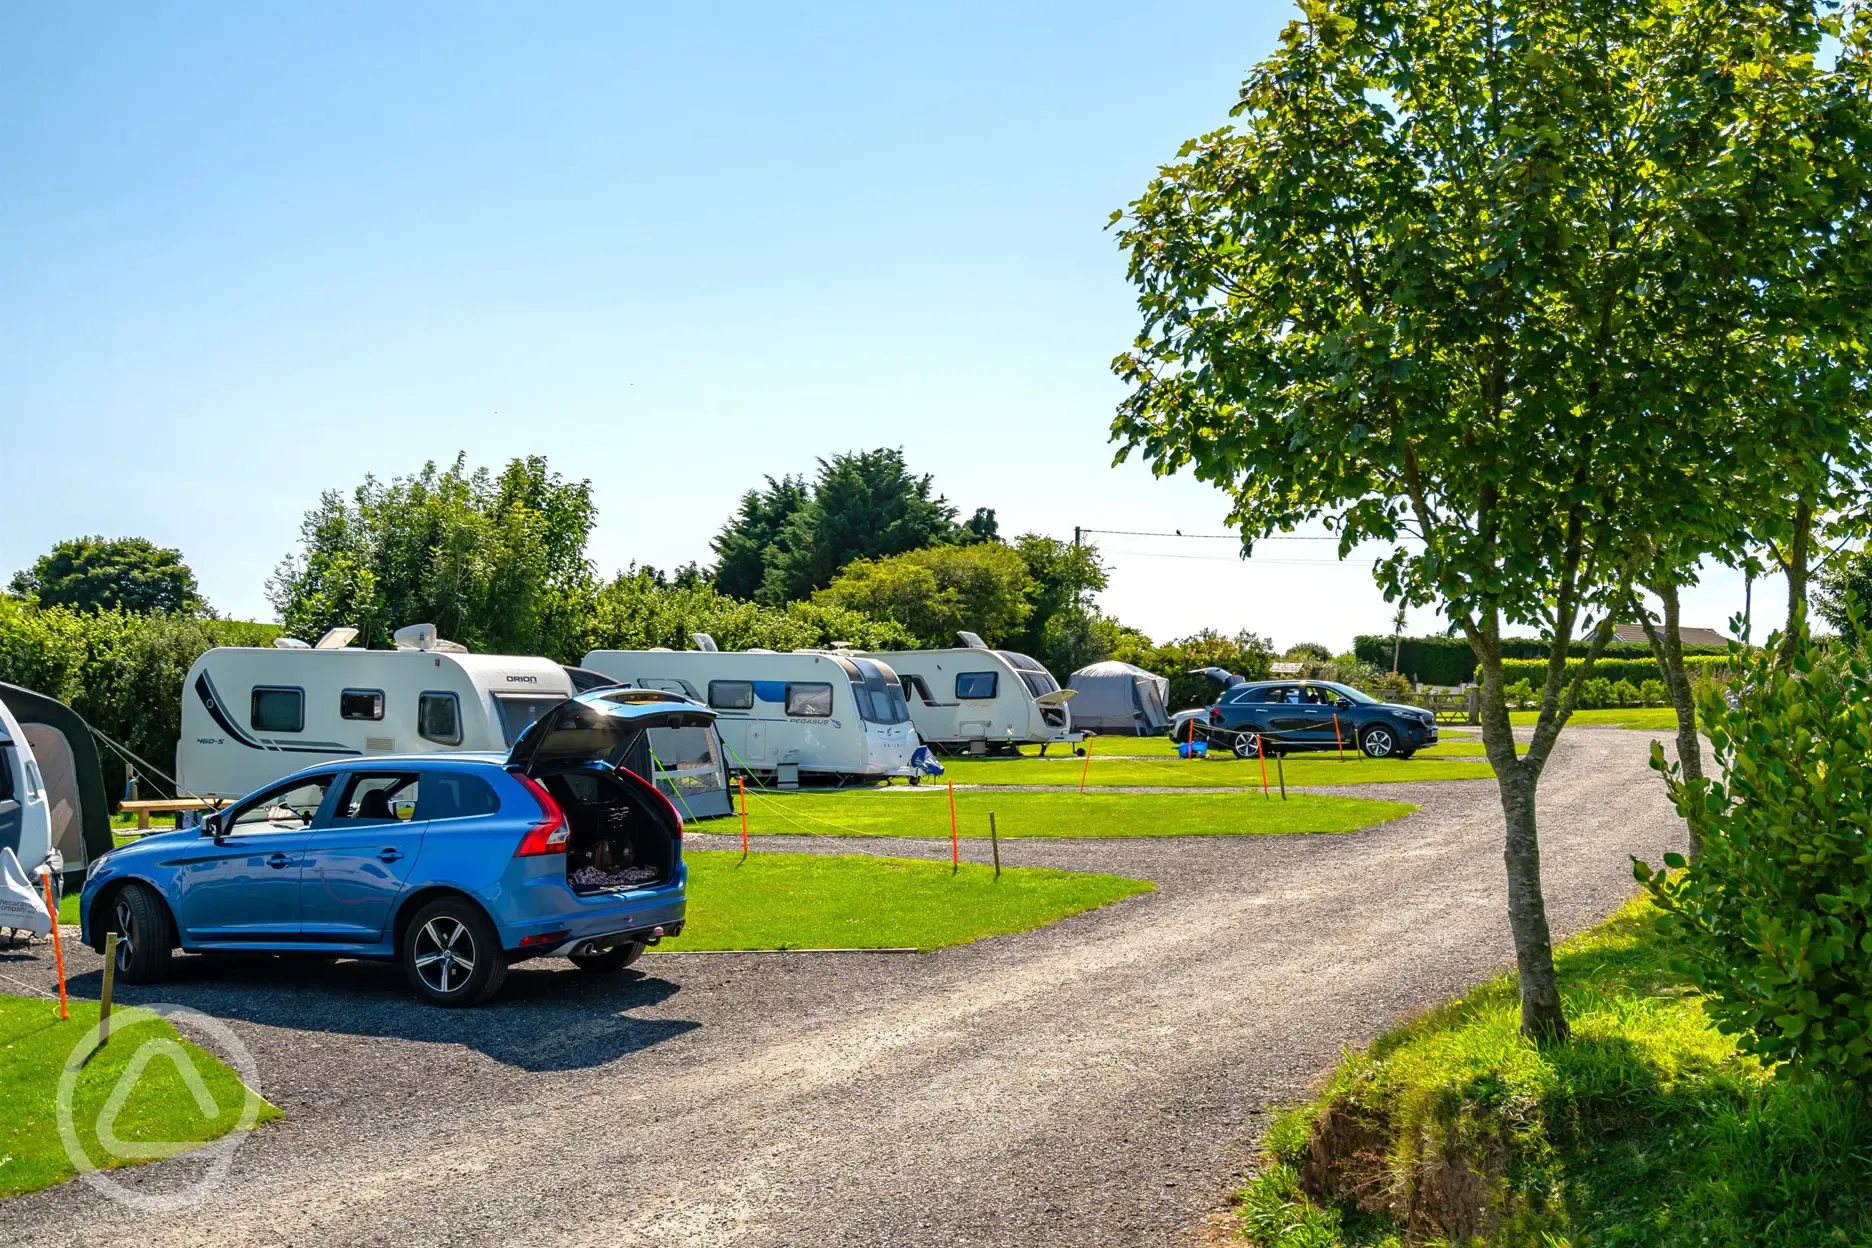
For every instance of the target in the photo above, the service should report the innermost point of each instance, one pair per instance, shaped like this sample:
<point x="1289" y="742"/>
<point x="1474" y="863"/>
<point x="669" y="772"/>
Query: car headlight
<point x="96" y="865"/>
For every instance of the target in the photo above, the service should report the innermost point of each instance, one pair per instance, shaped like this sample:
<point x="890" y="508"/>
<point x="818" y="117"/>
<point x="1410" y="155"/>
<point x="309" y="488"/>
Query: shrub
<point x="1653" y="693"/>
<point x="1595" y="691"/>
<point x="1776" y="913"/>
<point x="1636" y="670"/>
<point x="1624" y="693"/>
<point x="1520" y="694"/>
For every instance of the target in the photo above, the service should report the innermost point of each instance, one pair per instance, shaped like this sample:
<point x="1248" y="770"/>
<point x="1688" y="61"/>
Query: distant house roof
<point x="1691" y="636"/>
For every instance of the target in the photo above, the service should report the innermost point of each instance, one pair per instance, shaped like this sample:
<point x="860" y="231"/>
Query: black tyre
<point x="1379" y="741"/>
<point x="1247" y="745"/>
<point x="452" y="955"/>
<point x="145" y="934"/>
<point x="616" y="958"/>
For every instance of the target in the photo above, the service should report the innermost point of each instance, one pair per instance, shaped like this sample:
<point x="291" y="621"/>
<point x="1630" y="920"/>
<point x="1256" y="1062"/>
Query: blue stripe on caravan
<point x="770" y="690"/>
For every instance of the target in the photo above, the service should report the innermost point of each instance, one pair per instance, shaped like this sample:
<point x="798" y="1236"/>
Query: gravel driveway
<point x="1098" y="1082"/>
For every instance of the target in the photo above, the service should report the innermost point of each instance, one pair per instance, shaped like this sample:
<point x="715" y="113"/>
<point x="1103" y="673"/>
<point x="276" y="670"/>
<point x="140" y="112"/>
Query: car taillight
<point x="550" y="834"/>
<point x="1215" y="714"/>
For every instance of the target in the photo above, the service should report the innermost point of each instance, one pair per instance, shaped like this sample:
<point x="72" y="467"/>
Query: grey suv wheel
<point x="1378" y="741"/>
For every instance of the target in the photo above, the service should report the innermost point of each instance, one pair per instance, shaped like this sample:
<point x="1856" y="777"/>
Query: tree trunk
<point x="1542" y="1018"/>
<point x="1667" y="649"/>
<point x="1795" y="565"/>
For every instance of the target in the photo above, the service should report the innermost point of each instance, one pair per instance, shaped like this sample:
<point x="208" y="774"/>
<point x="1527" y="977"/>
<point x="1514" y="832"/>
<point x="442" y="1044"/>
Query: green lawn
<point x="160" y="1109"/>
<point x="1160" y="746"/>
<point x="1219" y="770"/>
<point x="853" y="901"/>
<point x="925" y="813"/>
<point x="1648" y="718"/>
<point x="1646" y="1129"/>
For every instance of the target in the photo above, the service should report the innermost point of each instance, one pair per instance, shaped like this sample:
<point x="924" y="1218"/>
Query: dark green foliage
<point x="864" y="505"/>
<point x="1063" y="630"/>
<point x="1843" y="592"/>
<point x="1450" y="661"/>
<point x="1301" y="652"/>
<point x="496" y="563"/>
<point x="98" y="574"/>
<point x="639" y="609"/>
<point x="1246" y="654"/>
<point x="742" y="547"/>
<point x="1777" y="911"/>
<point x="1653" y="693"/>
<point x="121" y="670"/>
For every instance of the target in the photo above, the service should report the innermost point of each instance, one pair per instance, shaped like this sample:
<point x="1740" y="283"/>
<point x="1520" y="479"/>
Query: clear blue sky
<point x="252" y="252"/>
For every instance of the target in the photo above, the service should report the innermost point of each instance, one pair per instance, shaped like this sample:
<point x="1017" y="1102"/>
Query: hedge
<point x="121" y="670"/>
<point x="1449" y="661"/>
<point x="1636" y="671"/>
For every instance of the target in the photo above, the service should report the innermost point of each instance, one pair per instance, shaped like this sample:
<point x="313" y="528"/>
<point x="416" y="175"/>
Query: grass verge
<point x="853" y="901"/>
<point x="1219" y="770"/>
<point x="925" y="813"/>
<point x="1646" y="1129"/>
<point x="1647" y="718"/>
<point x="161" y="1114"/>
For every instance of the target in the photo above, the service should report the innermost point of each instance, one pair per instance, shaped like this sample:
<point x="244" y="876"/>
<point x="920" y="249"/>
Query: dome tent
<point x="1119" y="697"/>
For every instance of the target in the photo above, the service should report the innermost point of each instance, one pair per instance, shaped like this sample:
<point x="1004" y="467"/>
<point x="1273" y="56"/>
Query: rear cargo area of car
<point x="617" y="840"/>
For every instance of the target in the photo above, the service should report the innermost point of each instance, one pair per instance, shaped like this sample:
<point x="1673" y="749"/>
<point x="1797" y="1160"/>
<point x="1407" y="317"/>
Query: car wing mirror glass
<point x="1344" y="704"/>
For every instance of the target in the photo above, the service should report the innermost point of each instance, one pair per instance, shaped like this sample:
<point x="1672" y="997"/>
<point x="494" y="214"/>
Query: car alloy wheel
<point x="1247" y="744"/>
<point x="126" y="933"/>
<point x="1378" y="743"/>
<point x="445" y="954"/>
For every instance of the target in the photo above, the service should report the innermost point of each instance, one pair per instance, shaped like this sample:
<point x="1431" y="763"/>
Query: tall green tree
<point x="496" y="562"/>
<point x="1441" y="282"/>
<point x="936" y="592"/>
<point x="864" y="505"/>
<point x="746" y="542"/>
<point x="109" y="574"/>
<point x="1063" y="631"/>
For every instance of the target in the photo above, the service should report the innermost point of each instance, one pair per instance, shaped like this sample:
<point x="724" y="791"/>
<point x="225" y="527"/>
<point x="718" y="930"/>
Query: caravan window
<point x="731" y="695"/>
<point x="814" y="700"/>
<point x="277" y="710"/>
<point x="360" y="704"/>
<point x="916" y="685"/>
<point x="438" y="718"/>
<point x="876" y="689"/>
<point x="977" y="686"/>
<point x="519" y="710"/>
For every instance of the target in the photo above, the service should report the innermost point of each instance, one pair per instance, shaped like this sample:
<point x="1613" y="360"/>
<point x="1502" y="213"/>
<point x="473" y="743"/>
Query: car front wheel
<point x="1379" y="741"/>
<point x="144" y="936"/>
<point x="452" y="954"/>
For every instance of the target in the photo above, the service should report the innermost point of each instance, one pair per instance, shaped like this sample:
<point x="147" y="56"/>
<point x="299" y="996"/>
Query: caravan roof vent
<point x="289" y="643"/>
<point x="972" y="640"/>
<point x="337" y="639"/>
<point x="704" y="642"/>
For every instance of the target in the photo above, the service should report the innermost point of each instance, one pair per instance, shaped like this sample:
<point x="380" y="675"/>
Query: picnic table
<point x="168" y="806"/>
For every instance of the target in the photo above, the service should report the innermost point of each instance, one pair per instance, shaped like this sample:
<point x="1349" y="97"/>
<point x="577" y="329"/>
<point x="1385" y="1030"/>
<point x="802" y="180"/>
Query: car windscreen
<point x="519" y="710"/>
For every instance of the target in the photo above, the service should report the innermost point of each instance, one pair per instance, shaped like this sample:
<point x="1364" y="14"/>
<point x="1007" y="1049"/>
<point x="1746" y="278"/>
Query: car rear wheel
<point x="616" y="958"/>
<point x="1247" y="745"/>
<point x="1379" y="741"/>
<point x="452" y="955"/>
<point x="144" y="935"/>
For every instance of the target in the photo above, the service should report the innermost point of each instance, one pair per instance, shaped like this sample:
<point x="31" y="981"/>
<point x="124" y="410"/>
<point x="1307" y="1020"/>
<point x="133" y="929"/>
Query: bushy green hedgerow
<point x="121" y="670"/>
<point x="1611" y="670"/>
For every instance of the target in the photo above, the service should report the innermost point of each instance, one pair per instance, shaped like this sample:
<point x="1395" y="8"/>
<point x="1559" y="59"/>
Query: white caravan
<point x="25" y="806"/>
<point x="981" y="700"/>
<point x="832" y="715"/>
<point x="251" y="715"/>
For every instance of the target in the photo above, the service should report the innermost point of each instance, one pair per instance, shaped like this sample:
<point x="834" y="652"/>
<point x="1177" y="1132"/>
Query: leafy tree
<point x="495" y="562"/>
<point x="745" y="543"/>
<point x="1307" y="651"/>
<point x="1843" y="593"/>
<point x="939" y="590"/>
<point x="864" y="505"/>
<point x="101" y="574"/>
<point x="1064" y="631"/>
<point x="1246" y="654"/>
<point x="980" y="527"/>
<point x="639" y="609"/>
<point x="1449" y="278"/>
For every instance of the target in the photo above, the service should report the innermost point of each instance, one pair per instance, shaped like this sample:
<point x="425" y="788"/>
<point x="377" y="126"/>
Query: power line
<point x="1217" y="537"/>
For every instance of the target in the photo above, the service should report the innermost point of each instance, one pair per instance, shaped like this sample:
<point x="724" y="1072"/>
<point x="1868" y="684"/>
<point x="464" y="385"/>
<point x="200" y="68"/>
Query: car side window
<point x="455" y="795"/>
<point x="438" y="718"/>
<point x="377" y="797"/>
<point x="289" y="807"/>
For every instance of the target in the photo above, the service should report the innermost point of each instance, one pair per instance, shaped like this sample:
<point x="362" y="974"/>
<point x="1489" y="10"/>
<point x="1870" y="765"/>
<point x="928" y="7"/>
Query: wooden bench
<point x="168" y="806"/>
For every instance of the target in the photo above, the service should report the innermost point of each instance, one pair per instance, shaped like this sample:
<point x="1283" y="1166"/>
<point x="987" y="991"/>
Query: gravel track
<point x="1097" y="1082"/>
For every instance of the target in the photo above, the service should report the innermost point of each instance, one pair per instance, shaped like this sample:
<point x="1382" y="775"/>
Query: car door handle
<point x="278" y="861"/>
<point x="389" y="853"/>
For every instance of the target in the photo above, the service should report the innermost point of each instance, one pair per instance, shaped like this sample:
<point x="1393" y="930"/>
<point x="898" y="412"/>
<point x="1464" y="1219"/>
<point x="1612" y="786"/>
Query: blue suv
<point x="1281" y="716"/>
<point x="455" y="865"/>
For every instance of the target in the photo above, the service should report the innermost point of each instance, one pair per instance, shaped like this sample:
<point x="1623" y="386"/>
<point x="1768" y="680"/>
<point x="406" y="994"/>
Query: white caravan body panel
<point x="966" y="695"/>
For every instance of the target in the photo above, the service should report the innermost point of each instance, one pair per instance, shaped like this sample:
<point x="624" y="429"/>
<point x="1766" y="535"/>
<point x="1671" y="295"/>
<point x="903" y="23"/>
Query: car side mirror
<point x="211" y="824"/>
<point x="1344" y="704"/>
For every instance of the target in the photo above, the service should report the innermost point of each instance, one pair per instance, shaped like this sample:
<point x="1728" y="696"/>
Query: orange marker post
<point x="58" y="946"/>
<point x="1190" y="740"/>
<point x="1087" y="769"/>
<point x="1338" y="740"/>
<point x="1261" y="754"/>
<point x="955" y="839"/>
<point x="742" y="781"/>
